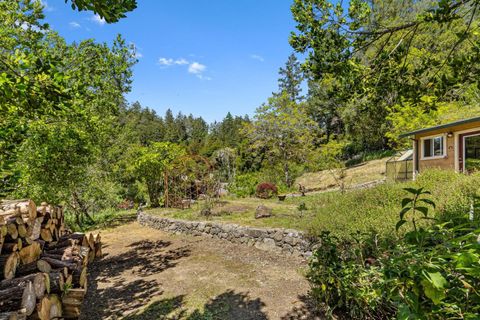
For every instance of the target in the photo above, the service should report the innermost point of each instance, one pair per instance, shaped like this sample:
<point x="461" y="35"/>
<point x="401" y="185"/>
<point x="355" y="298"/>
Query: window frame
<point x="444" y="149"/>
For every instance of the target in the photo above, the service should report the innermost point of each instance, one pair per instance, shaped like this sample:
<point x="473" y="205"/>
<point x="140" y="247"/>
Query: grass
<point x="342" y="214"/>
<point x="366" y="172"/>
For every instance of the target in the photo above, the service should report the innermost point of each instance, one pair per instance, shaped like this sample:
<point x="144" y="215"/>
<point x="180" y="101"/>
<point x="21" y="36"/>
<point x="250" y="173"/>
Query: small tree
<point x="151" y="165"/>
<point x="282" y="128"/>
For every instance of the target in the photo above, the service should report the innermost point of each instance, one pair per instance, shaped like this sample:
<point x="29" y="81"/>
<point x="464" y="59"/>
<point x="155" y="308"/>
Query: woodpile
<point x="43" y="265"/>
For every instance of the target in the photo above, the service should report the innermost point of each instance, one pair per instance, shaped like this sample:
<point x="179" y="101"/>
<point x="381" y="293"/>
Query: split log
<point x="8" y="265"/>
<point x="60" y="264"/>
<point x="37" y="279"/>
<point x="46" y="235"/>
<point x="49" y="307"/>
<point x="15" y="315"/>
<point x="10" y="247"/>
<point x="36" y="266"/>
<point x="20" y="207"/>
<point x="12" y="230"/>
<point x="79" y="277"/>
<point x="55" y="282"/>
<point x="21" y="296"/>
<point x="72" y="302"/>
<point x="30" y="253"/>
<point x="98" y="246"/>
<point x="36" y="228"/>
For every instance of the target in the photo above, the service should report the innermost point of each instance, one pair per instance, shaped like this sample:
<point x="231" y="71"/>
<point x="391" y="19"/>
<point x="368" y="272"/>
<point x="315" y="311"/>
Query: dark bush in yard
<point x="266" y="190"/>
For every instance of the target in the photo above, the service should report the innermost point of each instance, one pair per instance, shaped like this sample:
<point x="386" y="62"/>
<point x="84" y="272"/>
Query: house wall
<point x="447" y="162"/>
<point x="450" y="161"/>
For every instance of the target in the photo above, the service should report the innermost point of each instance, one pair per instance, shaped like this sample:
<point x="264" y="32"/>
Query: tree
<point x="283" y="129"/>
<point x="372" y="58"/>
<point x="110" y="10"/>
<point x="291" y="78"/>
<point x="57" y="108"/>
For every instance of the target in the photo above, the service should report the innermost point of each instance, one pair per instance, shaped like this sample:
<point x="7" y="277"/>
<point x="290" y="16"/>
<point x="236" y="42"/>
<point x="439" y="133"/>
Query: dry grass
<point x="362" y="173"/>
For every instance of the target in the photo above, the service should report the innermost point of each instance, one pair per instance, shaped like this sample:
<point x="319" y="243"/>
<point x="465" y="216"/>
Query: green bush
<point x="431" y="271"/>
<point x="102" y="219"/>
<point x="244" y="185"/>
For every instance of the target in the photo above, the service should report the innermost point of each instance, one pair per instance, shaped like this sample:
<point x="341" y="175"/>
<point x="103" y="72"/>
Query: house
<point x="454" y="146"/>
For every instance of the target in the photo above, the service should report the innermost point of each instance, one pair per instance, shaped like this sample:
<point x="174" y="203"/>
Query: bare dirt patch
<point x="149" y="274"/>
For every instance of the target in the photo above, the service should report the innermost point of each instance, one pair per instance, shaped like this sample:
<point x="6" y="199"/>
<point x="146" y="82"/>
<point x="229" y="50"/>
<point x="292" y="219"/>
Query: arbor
<point x="282" y="128"/>
<point x="151" y="165"/>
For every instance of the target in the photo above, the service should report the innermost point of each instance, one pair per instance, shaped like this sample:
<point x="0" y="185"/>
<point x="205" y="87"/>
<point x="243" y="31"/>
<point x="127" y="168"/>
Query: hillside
<point x="365" y="172"/>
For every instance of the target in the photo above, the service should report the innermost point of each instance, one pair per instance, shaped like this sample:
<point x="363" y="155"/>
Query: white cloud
<point x="74" y="24"/>
<point x="257" y="57"/>
<point x="181" y="62"/>
<point x="202" y="77"/>
<point x="167" y="62"/>
<point x="98" y="20"/>
<point x="196" y="68"/>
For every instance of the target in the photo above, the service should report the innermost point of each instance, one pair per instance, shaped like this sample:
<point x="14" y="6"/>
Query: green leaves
<point x="110" y="10"/>
<point x="434" y="286"/>
<point x="410" y="205"/>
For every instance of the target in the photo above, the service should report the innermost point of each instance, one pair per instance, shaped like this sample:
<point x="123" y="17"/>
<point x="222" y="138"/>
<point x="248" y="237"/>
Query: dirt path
<point x="149" y="274"/>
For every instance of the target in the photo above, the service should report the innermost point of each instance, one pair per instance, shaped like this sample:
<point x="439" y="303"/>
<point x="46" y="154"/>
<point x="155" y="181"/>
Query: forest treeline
<point x="370" y="70"/>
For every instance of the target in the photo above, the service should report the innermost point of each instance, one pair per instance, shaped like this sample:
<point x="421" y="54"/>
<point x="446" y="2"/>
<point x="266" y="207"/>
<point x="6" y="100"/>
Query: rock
<point x="278" y="236"/>
<point x="263" y="212"/>
<point x="255" y="233"/>
<point x="290" y="240"/>
<point x="268" y="244"/>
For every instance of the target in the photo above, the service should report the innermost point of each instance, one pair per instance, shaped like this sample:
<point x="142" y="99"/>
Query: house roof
<point x="442" y="126"/>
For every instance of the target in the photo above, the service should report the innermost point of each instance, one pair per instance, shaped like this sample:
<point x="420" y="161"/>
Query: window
<point x="434" y="147"/>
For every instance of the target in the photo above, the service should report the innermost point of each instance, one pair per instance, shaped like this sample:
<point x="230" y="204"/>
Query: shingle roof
<point x="442" y="126"/>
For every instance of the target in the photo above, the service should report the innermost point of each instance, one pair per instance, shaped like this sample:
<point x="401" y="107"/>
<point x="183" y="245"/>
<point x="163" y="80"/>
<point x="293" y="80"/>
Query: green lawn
<point x="342" y="214"/>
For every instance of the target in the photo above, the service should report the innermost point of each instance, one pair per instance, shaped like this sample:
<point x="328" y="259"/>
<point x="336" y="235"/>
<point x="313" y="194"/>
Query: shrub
<point x="243" y="185"/>
<point x="266" y="190"/>
<point x="429" y="272"/>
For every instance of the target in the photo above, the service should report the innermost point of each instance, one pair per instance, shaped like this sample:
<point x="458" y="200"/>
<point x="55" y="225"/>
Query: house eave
<point x="440" y="127"/>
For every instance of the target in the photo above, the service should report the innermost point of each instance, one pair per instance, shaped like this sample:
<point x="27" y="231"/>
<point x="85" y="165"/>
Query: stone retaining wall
<point x="277" y="240"/>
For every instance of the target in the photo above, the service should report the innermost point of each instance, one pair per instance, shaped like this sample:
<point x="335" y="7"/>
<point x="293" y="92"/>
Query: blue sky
<point x="204" y="57"/>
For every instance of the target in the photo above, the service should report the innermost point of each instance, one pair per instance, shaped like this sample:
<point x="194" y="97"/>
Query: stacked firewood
<point x="43" y="265"/>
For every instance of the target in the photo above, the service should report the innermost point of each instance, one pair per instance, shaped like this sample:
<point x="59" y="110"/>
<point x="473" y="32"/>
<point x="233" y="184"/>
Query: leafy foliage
<point x="110" y="10"/>
<point x="152" y="164"/>
<point x="430" y="272"/>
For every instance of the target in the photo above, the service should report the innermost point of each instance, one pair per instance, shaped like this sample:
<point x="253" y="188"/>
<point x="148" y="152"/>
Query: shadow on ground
<point x="141" y="259"/>
<point x="307" y="311"/>
<point x="228" y="305"/>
